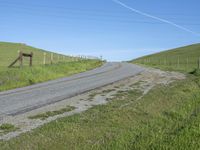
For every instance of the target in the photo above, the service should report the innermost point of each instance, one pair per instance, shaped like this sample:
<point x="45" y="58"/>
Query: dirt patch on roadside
<point x="143" y="82"/>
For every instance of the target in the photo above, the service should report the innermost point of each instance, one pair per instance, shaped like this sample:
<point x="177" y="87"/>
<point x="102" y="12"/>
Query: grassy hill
<point x="182" y="59"/>
<point x="167" y="117"/>
<point x="10" y="51"/>
<point x="18" y="77"/>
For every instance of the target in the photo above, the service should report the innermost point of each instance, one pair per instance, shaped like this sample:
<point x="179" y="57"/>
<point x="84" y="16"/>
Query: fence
<point x="39" y="58"/>
<point x="174" y="62"/>
<point x="50" y="58"/>
<point x="20" y="59"/>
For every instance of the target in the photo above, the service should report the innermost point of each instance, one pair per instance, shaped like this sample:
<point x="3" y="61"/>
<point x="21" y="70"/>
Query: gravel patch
<point x="144" y="82"/>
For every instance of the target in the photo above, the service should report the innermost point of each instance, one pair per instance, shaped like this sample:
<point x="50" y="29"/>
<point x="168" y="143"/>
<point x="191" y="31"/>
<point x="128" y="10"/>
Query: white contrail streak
<point x="156" y="18"/>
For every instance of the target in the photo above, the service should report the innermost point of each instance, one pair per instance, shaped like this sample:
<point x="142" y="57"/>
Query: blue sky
<point x="99" y="27"/>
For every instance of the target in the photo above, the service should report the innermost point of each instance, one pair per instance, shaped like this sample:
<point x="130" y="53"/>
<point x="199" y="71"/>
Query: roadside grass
<point x="184" y="59"/>
<point x="9" y="52"/>
<point x="166" y="118"/>
<point x="48" y="114"/>
<point x="16" y="77"/>
<point x="11" y="78"/>
<point x="6" y="128"/>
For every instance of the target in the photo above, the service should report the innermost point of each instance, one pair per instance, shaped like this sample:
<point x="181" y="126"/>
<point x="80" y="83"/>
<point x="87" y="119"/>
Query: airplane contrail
<point x="156" y="18"/>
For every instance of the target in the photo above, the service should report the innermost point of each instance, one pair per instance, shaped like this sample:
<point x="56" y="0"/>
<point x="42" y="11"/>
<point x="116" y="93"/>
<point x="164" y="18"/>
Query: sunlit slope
<point x="61" y="66"/>
<point x="9" y="52"/>
<point x="183" y="58"/>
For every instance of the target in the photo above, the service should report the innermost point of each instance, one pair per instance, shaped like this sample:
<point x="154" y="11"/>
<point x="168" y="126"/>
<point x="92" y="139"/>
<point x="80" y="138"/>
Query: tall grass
<point x="18" y="77"/>
<point x="166" y="118"/>
<point x="9" y="52"/>
<point x="11" y="78"/>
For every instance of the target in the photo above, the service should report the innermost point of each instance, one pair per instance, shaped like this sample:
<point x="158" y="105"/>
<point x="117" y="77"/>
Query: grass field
<point x="166" y="118"/>
<point x="9" y="52"/>
<point x="181" y="59"/>
<point x="16" y="77"/>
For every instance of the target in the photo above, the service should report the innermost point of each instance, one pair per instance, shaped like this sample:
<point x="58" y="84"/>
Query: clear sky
<point x="99" y="27"/>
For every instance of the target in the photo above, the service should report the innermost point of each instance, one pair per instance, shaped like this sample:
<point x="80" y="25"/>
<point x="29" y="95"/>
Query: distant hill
<point x="9" y="52"/>
<point x="183" y="58"/>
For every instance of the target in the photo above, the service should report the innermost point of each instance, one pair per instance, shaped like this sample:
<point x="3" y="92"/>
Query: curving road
<point x="19" y="101"/>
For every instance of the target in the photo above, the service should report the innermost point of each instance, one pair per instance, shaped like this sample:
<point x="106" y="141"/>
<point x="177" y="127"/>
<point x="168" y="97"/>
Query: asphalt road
<point x="19" y="101"/>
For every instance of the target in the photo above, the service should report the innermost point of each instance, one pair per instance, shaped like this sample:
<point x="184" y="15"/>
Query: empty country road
<point x="19" y="101"/>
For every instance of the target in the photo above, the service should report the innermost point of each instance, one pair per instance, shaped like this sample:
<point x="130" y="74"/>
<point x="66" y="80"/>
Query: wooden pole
<point x="21" y="59"/>
<point x="44" y="60"/>
<point x="31" y="59"/>
<point x="178" y="62"/>
<point x="51" y="58"/>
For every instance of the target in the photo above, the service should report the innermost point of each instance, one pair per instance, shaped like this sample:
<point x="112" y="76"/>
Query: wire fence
<point x="42" y="58"/>
<point x="175" y="62"/>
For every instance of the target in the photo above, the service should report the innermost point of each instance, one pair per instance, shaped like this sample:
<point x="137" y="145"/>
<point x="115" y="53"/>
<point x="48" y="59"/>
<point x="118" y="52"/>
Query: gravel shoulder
<point x="144" y="82"/>
<point x="29" y="98"/>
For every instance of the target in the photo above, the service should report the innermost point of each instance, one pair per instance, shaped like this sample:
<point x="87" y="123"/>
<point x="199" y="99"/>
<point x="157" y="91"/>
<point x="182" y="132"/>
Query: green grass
<point x="6" y="128"/>
<point x="11" y="78"/>
<point x="9" y="52"/>
<point x="181" y="59"/>
<point x="166" y="118"/>
<point x="48" y="114"/>
<point x="16" y="77"/>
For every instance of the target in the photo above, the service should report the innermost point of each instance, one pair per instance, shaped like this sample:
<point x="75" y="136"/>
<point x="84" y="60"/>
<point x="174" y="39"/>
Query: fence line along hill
<point x="10" y="51"/>
<point x="183" y="59"/>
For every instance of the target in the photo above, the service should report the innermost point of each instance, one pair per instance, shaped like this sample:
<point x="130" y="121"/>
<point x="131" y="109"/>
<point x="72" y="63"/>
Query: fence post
<point x="44" y="60"/>
<point x="31" y="59"/>
<point x="51" y="58"/>
<point x="21" y="58"/>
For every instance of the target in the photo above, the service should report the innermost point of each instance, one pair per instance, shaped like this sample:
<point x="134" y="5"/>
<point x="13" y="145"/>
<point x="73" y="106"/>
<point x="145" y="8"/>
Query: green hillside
<point x="182" y="59"/>
<point x="16" y="77"/>
<point x="10" y="51"/>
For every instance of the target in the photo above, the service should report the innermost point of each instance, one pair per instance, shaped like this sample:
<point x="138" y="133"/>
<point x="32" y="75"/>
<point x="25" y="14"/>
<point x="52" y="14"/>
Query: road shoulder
<point x="143" y="82"/>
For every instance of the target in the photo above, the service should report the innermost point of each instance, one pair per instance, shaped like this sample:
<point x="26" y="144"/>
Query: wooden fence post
<point x="21" y="59"/>
<point x="44" y="59"/>
<point x="31" y="59"/>
<point x="51" y="58"/>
